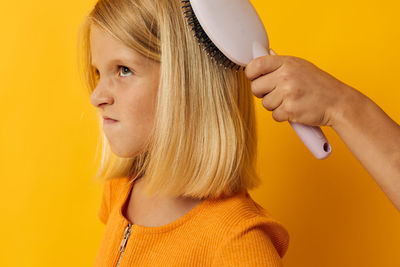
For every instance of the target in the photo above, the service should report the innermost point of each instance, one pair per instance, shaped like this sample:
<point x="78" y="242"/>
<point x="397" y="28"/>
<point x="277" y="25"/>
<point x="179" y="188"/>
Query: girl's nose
<point x="100" y="96"/>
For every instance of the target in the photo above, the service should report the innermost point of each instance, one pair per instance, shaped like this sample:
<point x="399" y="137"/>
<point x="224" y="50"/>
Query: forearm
<point x="374" y="139"/>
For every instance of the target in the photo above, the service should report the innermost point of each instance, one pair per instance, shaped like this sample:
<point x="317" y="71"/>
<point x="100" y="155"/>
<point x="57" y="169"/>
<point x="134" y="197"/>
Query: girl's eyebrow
<point x="122" y="61"/>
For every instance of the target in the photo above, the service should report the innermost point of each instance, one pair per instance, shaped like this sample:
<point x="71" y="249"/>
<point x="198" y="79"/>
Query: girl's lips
<point x="110" y="121"/>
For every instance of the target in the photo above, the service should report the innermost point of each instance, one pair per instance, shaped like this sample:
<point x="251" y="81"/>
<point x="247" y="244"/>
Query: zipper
<point x="122" y="246"/>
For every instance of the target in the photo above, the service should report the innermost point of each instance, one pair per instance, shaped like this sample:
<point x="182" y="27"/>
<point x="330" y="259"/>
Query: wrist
<point x="348" y="107"/>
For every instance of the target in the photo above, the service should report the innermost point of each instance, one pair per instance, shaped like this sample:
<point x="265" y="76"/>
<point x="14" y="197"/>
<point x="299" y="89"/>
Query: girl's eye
<point x="124" y="69"/>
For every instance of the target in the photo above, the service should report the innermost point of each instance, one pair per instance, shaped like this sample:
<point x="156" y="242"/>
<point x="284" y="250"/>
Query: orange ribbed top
<point x="233" y="231"/>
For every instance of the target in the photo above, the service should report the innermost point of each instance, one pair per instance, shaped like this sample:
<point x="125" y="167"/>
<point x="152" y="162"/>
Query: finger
<point x="263" y="85"/>
<point x="280" y="114"/>
<point x="272" y="52"/>
<point x="273" y="100"/>
<point x="263" y="65"/>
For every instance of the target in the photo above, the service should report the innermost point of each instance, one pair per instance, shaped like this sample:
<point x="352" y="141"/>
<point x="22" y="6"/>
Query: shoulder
<point x="243" y="221"/>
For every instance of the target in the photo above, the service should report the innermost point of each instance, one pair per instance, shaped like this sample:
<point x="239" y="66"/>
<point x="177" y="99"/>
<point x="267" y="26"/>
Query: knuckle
<point x="287" y="74"/>
<point x="265" y="103"/>
<point x="289" y="109"/>
<point x="292" y="60"/>
<point x="290" y="88"/>
<point x="296" y="92"/>
<point x="254" y="87"/>
<point x="247" y="70"/>
<point x="254" y="67"/>
<point x="277" y="117"/>
<point x="259" y="63"/>
<point x="286" y="90"/>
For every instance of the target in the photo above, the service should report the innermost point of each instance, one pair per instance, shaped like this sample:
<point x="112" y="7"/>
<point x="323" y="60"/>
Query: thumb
<point x="272" y="52"/>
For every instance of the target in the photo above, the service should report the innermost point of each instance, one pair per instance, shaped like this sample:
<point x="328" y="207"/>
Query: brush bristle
<point x="204" y="40"/>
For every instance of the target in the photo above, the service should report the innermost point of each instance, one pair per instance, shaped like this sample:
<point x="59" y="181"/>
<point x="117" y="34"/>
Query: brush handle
<point x="312" y="136"/>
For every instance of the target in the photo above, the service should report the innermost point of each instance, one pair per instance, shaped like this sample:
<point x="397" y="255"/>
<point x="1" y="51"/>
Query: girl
<point x="179" y="145"/>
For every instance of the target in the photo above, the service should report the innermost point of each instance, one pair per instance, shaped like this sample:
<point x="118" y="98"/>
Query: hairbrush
<point x="233" y="34"/>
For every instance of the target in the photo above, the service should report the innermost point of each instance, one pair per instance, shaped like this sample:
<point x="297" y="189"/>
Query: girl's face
<point x="126" y="91"/>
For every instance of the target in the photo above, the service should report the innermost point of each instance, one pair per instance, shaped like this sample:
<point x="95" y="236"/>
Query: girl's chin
<point x="123" y="153"/>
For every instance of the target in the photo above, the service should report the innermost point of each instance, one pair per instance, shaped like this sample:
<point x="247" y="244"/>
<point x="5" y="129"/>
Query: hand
<point x="296" y="90"/>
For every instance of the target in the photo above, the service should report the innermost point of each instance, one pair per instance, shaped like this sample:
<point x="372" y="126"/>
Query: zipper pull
<point x="125" y="239"/>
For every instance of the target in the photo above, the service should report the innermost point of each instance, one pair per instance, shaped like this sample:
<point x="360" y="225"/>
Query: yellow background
<point x="335" y="213"/>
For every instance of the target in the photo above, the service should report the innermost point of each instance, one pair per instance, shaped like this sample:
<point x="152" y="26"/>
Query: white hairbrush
<point x="233" y="34"/>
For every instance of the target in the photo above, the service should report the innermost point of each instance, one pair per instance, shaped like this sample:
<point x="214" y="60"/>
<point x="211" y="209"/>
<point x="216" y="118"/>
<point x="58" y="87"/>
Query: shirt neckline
<point x="163" y="228"/>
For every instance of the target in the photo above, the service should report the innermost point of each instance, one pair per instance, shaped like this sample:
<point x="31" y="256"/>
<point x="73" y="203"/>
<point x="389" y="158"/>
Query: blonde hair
<point x="204" y="140"/>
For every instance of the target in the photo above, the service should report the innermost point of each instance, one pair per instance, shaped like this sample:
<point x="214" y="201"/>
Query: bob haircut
<point x="204" y="141"/>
